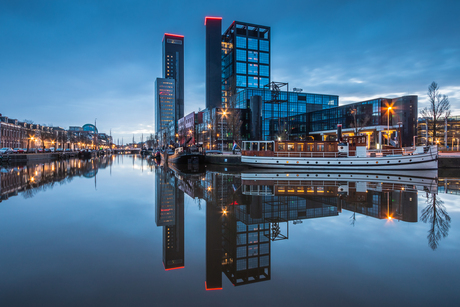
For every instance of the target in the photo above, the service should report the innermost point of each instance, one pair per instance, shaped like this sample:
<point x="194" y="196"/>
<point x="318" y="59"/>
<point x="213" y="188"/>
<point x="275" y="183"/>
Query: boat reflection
<point x="248" y="211"/>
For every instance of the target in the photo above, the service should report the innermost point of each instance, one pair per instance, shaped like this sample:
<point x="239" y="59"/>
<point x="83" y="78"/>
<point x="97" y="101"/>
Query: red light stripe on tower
<point x="215" y="18"/>
<point x="209" y="289"/>
<point x="175" y="35"/>
<point x="170" y="269"/>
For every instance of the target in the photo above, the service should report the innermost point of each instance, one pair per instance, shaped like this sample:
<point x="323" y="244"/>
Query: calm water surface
<point x="121" y="231"/>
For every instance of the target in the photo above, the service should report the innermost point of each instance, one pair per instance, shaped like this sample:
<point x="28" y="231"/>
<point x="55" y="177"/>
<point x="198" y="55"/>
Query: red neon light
<point x="175" y="35"/>
<point x="215" y="18"/>
<point x="165" y="209"/>
<point x="210" y="289"/>
<point x="179" y="267"/>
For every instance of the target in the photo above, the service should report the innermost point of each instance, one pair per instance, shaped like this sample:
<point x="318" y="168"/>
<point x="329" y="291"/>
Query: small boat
<point x="187" y="155"/>
<point x="353" y="154"/>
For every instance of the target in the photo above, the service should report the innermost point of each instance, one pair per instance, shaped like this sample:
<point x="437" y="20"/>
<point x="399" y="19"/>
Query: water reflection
<point x="247" y="211"/>
<point x="435" y="214"/>
<point x="31" y="179"/>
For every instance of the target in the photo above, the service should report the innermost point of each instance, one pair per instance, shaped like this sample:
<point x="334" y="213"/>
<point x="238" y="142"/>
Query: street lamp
<point x="388" y="124"/>
<point x="224" y="113"/>
<point x="210" y="136"/>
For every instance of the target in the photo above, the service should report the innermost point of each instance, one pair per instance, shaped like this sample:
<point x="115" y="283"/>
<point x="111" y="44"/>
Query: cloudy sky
<point x="66" y="63"/>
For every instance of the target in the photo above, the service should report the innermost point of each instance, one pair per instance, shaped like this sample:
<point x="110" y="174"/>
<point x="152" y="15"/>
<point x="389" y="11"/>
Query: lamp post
<point x="210" y="136"/>
<point x="388" y="124"/>
<point x="224" y="113"/>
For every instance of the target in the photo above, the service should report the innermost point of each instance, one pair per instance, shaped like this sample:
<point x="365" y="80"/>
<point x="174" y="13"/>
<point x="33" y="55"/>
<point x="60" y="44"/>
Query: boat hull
<point x="186" y="158"/>
<point x="409" y="162"/>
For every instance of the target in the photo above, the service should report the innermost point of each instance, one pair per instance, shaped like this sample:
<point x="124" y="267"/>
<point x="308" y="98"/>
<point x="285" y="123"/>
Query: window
<point x="241" y="81"/>
<point x="241" y="252"/>
<point x="299" y="147"/>
<point x="252" y="44"/>
<point x="253" y="69"/>
<point x="264" y="58"/>
<point x="253" y="263"/>
<point x="240" y="68"/>
<point x="281" y="147"/>
<point x="241" y="264"/>
<point x="320" y="147"/>
<point x="241" y="42"/>
<point x="253" y="82"/>
<point x="253" y="250"/>
<point x="290" y="147"/>
<point x="262" y="82"/>
<point x="253" y="237"/>
<point x="264" y="45"/>
<point x="310" y="147"/>
<point x="264" y="70"/>
<point x="253" y="56"/>
<point x="241" y="55"/>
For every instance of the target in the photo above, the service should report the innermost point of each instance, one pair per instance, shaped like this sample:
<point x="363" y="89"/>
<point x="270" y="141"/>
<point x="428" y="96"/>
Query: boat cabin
<point x="303" y="148"/>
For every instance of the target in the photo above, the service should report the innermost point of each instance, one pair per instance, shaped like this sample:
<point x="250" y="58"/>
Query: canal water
<point x="123" y="231"/>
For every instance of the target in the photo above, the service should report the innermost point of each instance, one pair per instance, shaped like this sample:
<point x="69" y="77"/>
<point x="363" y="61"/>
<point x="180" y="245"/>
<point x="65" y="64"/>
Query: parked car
<point x="47" y="150"/>
<point x="18" y="150"/>
<point x="40" y="150"/>
<point x="33" y="150"/>
<point x="67" y="150"/>
<point x="6" y="150"/>
<point x="52" y="149"/>
<point x="59" y="149"/>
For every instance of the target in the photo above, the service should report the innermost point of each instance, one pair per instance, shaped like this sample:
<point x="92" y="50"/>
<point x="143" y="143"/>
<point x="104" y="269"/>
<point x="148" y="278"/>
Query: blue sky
<point x="65" y="63"/>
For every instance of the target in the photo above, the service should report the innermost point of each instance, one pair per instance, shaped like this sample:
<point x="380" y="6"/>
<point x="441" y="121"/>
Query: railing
<point x="391" y="152"/>
<point x="289" y="154"/>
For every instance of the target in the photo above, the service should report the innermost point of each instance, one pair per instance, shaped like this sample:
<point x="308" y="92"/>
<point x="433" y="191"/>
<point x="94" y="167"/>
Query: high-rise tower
<point x="213" y="62"/>
<point x="245" y="58"/>
<point x="173" y="68"/>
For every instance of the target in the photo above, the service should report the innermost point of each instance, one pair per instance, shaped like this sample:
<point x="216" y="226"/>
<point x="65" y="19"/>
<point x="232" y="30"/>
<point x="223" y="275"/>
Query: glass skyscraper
<point x="173" y="68"/>
<point x="245" y="59"/>
<point x="165" y="103"/>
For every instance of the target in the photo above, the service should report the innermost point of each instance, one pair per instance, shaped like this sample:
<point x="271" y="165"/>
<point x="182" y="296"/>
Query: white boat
<point x="352" y="155"/>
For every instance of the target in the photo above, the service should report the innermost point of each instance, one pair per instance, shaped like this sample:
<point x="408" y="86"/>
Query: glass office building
<point x="278" y="118"/>
<point x="245" y="59"/>
<point x="373" y="119"/>
<point x="165" y="105"/>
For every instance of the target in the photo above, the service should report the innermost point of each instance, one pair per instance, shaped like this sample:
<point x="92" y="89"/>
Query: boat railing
<point x="391" y="152"/>
<point x="291" y="154"/>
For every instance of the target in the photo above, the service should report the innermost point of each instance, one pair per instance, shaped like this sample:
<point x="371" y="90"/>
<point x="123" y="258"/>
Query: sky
<point x="68" y="63"/>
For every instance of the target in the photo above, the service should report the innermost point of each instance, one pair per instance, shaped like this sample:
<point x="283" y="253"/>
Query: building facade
<point x="173" y="68"/>
<point x="165" y="103"/>
<point x="245" y="59"/>
<point x="447" y="132"/>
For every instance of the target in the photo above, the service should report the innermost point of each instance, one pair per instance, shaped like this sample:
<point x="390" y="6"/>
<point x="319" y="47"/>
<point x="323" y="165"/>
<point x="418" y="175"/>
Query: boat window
<point x="331" y="147"/>
<point x="299" y="147"/>
<point x="310" y="147"/>
<point x="270" y="146"/>
<point x="290" y="147"/>
<point x="319" y="189"/>
<point x="281" y="147"/>
<point x="310" y="190"/>
<point x="320" y="147"/>
<point x="281" y="189"/>
<point x="255" y="146"/>
<point x="263" y="146"/>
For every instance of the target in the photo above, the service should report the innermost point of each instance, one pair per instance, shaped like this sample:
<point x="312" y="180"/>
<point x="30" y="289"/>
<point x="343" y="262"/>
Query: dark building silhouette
<point x="173" y="68"/>
<point x="213" y="61"/>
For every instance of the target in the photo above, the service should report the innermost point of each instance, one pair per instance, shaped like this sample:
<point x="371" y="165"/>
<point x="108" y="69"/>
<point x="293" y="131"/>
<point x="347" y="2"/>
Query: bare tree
<point x="439" y="220"/>
<point x="358" y="122"/>
<point x="439" y="107"/>
<point x="234" y="121"/>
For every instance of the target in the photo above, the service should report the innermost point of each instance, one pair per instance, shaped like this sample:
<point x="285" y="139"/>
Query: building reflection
<point x="247" y="212"/>
<point x="30" y="179"/>
<point x="169" y="208"/>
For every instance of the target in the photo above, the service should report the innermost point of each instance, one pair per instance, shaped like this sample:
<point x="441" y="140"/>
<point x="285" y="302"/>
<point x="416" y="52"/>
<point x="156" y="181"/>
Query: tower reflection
<point x="247" y="212"/>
